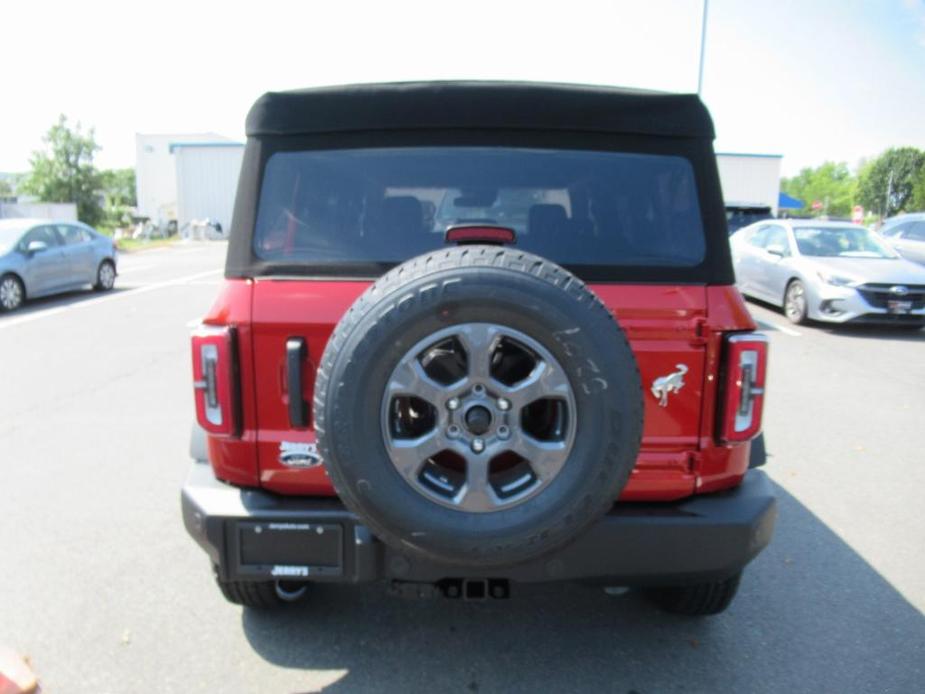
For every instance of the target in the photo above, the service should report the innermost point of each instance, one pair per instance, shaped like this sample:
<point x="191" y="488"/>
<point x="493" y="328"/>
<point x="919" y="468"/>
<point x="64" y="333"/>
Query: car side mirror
<point x="777" y="250"/>
<point x="36" y="247"/>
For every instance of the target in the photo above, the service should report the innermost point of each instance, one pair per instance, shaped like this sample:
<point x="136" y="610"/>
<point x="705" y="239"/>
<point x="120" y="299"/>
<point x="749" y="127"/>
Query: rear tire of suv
<point x="698" y="600"/>
<point x="261" y="595"/>
<point x="452" y="503"/>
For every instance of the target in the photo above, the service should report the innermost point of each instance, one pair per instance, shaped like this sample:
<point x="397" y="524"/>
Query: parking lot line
<point x="128" y="267"/>
<point x="9" y="323"/>
<point x="767" y="325"/>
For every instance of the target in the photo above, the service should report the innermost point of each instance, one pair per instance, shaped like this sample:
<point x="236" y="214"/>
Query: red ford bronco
<point x="474" y="334"/>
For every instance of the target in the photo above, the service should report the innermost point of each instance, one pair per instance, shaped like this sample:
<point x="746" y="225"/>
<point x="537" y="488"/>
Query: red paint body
<point x="666" y="325"/>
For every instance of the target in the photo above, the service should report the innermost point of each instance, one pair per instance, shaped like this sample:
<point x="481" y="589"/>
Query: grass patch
<point x="132" y="245"/>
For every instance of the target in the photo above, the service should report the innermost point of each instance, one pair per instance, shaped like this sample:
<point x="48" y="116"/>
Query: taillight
<point x="214" y="379"/>
<point x="745" y="362"/>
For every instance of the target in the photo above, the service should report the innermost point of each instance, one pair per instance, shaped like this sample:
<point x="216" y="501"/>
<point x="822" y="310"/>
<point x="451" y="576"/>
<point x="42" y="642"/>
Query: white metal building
<point x="750" y="178"/>
<point x="207" y="180"/>
<point x="187" y="176"/>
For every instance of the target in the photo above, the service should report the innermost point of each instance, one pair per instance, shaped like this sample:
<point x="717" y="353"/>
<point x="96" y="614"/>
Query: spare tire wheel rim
<point x="478" y="417"/>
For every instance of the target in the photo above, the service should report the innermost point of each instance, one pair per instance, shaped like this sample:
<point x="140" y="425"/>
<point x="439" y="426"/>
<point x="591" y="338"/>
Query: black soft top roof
<point x="480" y="105"/>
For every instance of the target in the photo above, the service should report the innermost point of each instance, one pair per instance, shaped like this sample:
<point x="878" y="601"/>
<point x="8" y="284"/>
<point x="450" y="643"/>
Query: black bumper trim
<point x="701" y="538"/>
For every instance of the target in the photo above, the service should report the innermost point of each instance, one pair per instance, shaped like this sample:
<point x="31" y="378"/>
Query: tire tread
<point x="259" y="595"/>
<point x="700" y="599"/>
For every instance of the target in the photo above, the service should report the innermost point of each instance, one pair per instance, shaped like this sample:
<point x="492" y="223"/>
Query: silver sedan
<point x="828" y="271"/>
<point x="40" y="257"/>
<point x="906" y="234"/>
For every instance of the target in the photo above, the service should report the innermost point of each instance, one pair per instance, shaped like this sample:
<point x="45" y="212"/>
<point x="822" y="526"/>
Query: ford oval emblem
<point x="302" y="455"/>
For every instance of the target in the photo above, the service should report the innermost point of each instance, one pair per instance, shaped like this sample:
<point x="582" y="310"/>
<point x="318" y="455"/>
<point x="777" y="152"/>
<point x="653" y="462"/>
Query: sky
<point x="811" y="80"/>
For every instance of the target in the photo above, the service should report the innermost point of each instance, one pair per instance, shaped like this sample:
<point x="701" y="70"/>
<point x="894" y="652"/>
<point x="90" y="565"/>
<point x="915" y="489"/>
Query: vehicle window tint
<point x="777" y="236"/>
<point x="386" y="205"/>
<point x="916" y="232"/>
<point x="44" y="233"/>
<point x="895" y="230"/>
<point x="759" y="236"/>
<point x="845" y="242"/>
<point x="72" y="235"/>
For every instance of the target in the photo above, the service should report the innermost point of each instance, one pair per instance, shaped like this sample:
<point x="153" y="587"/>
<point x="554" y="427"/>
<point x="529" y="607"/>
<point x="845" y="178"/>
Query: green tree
<point x="5" y="188"/>
<point x="831" y="183"/>
<point x="886" y="183"/>
<point x="917" y="204"/>
<point x="118" y="188"/>
<point x="64" y="170"/>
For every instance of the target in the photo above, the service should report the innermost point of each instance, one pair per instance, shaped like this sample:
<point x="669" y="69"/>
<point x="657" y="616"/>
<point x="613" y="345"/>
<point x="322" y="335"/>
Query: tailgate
<point x="662" y="322"/>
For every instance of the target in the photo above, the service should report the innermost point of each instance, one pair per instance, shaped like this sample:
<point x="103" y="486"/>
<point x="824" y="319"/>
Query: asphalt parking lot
<point x="103" y="590"/>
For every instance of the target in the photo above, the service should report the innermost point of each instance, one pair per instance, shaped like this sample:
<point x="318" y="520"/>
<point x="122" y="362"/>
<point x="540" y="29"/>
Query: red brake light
<point x="213" y="379"/>
<point x="480" y="233"/>
<point x="743" y="397"/>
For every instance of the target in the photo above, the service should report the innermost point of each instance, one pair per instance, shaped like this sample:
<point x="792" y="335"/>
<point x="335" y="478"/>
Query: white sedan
<point x="828" y="271"/>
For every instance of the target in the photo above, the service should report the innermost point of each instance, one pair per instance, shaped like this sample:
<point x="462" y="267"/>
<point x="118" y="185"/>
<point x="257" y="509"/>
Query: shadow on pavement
<point x="811" y="616"/>
<point x="899" y="333"/>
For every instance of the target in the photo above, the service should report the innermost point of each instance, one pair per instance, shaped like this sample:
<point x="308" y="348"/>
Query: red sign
<point x="857" y="214"/>
<point x="817" y="205"/>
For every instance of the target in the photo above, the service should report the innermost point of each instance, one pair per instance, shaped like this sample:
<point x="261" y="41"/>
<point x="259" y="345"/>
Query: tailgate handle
<point x="295" y="356"/>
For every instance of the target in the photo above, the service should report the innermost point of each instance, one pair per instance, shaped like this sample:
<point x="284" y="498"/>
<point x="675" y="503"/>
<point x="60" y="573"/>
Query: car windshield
<point x="580" y="208"/>
<point x="9" y="235"/>
<point x="840" y="242"/>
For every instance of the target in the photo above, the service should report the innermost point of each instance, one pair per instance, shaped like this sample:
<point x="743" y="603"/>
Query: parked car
<point x="741" y="214"/>
<point x="40" y="257"/>
<point x="835" y="272"/>
<point x="906" y="233"/>
<point x="452" y="413"/>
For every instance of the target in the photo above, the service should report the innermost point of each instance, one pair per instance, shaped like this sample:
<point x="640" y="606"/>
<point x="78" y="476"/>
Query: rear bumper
<point x="256" y="535"/>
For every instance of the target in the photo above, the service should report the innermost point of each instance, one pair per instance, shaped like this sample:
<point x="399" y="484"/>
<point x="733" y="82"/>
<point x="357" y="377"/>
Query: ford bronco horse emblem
<point x="672" y="383"/>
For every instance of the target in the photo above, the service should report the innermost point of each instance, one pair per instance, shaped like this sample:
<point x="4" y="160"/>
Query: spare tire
<point x="478" y="406"/>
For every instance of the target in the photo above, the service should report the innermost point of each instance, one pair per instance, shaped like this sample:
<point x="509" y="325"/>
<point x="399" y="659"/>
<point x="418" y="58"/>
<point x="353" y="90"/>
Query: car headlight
<point x="837" y="280"/>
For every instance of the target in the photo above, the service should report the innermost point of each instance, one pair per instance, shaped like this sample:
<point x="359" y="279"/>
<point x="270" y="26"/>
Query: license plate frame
<point x="289" y="550"/>
<point x="899" y="307"/>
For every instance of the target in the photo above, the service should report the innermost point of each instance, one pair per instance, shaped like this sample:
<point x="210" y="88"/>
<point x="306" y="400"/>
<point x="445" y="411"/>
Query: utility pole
<point x="703" y="46"/>
<point x="889" y="194"/>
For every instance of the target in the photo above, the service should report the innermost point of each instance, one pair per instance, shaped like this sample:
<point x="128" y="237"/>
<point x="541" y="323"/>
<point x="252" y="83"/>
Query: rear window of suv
<point x="385" y="205"/>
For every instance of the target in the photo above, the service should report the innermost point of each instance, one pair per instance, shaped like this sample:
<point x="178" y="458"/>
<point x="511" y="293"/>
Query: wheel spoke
<point x="476" y="495"/>
<point x="545" y="457"/>
<point x="409" y="455"/>
<point x="546" y="381"/>
<point x="478" y="339"/>
<point x="410" y="378"/>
